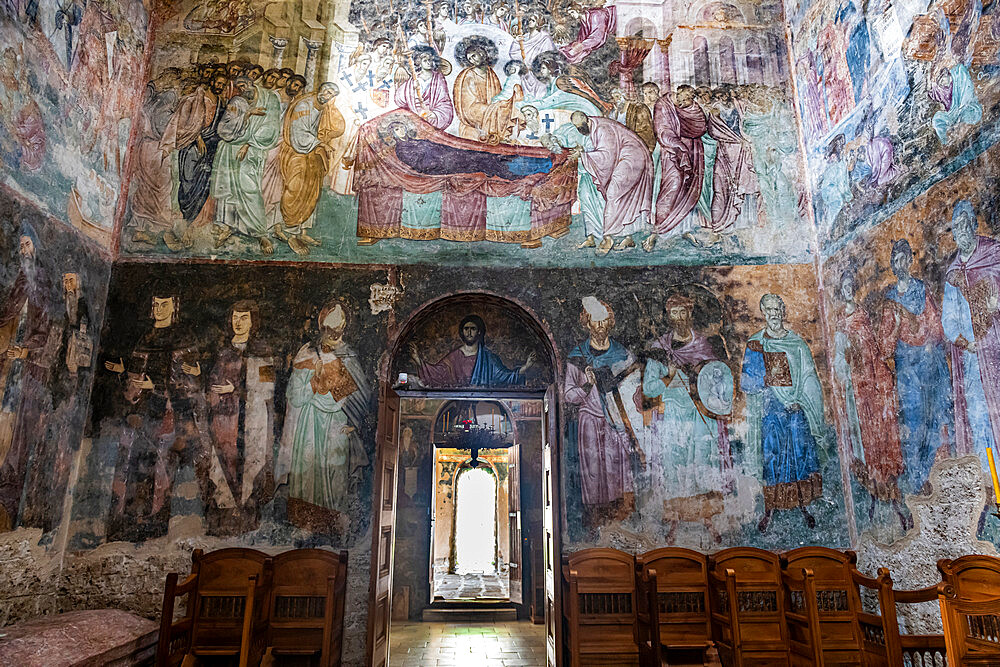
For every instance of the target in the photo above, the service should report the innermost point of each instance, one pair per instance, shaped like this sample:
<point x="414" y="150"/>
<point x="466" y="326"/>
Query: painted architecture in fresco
<point x="888" y="94"/>
<point x="71" y="71"/>
<point x="554" y="132"/>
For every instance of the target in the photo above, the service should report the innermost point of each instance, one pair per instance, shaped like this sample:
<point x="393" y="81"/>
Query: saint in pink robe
<point x="682" y="160"/>
<point x="595" y="28"/>
<point x="434" y="99"/>
<point x="622" y="169"/>
<point x="733" y="177"/>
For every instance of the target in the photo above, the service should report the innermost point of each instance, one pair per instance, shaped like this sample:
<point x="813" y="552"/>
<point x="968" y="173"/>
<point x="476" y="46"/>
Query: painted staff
<point x="430" y="26"/>
<point x="413" y="68"/>
<point x="520" y="28"/>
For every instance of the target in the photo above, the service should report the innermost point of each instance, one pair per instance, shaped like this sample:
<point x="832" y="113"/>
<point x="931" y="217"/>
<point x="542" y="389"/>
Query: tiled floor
<point x="514" y="644"/>
<point x="472" y="586"/>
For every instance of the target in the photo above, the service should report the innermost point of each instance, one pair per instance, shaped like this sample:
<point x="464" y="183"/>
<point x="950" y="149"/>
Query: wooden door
<point x="550" y="521"/>
<point x="384" y="497"/>
<point x="515" y="576"/>
<point x="432" y="511"/>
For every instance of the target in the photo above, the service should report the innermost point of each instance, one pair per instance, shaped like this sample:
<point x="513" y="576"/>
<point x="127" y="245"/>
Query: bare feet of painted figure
<point x="625" y="243"/>
<point x="298" y="246"/>
<point x="221" y="235"/>
<point x="649" y="243"/>
<point x="588" y="242"/>
<point x="607" y="243"/>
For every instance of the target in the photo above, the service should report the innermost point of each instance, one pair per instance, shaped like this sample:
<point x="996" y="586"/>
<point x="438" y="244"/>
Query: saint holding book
<point x="321" y="449"/>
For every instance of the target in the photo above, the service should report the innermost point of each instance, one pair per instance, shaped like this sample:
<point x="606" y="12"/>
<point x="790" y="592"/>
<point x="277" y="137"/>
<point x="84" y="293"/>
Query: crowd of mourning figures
<point x="250" y="151"/>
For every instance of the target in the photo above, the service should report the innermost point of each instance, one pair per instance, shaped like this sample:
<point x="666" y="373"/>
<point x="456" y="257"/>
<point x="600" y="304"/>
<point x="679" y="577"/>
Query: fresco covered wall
<point x="911" y="304"/>
<point x="53" y="286"/>
<point x="898" y="110"/>
<point x="892" y="97"/>
<point x="202" y="424"/>
<point x="445" y="133"/>
<point x="71" y="74"/>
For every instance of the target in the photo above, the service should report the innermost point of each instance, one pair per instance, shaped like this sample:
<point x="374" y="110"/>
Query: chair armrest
<point x="927" y="594"/>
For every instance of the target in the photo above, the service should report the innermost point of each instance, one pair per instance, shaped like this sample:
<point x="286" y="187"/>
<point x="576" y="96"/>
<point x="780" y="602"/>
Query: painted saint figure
<point x="428" y="95"/>
<point x="953" y="89"/>
<point x="680" y="124"/>
<point x="163" y="423"/>
<point x="597" y="24"/>
<point x="250" y="128"/>
<point x="472" y="363"/>
<point x="241" y="425"/>
<point x="870" y="401"/>
<point x="604" y="435"/>
<point x="692" y="446"/>
<point x="911" y="335"/>
<point x="328" y="398"/>
<point x="480" y="118"/>
<point x="971" y="320"/>
<point x="622" y="169"/>
<point x="192" y="133"/>
<point x="311" y="124"/>
<point x="70" y="370"/>
<point x="25" y="330"/>
<point x="784" y="414"/>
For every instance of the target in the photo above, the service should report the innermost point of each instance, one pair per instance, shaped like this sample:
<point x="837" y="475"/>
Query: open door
<point x="433" y="513"/>
<point x="551" y="537"/>
<point x="380" y="599"/>
<point x="515" y="577"/>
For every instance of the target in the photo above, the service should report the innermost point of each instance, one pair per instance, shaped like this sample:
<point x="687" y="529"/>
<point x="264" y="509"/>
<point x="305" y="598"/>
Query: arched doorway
<point x="477" y="347"/>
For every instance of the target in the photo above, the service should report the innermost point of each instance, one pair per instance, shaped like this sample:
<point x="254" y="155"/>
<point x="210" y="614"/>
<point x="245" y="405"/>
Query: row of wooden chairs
<point x="746" y="607"/>
<point x="253" y="607"/>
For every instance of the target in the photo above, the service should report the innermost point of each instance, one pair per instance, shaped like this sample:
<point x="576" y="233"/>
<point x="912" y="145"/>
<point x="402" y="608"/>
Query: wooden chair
<point x="748" y="608"/>
<point x="226" y="611"/>
<point x="805" y="645"/>
<point x="838" y="602"/>
<point x="306" y="605"/>
<point x="912" y="649"/>
<point x="684" y="607"/>
<point x="651" y="650"/>
<point x="599" y="602"/>
<point x="969" y="594"/>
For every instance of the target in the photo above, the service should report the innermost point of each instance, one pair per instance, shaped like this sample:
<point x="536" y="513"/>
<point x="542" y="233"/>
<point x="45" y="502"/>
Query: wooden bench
<point x="684" y="607"/>
<point x="805" y="646"/>
<point x="92" y="638"/>
<point x="226" y="611"/>
<point x="306" y="605"/>
<point x="748" y="608"/>
<point x="969" y="595"/>
<point x="838" y="603"/>
<point x="599" y="602"/>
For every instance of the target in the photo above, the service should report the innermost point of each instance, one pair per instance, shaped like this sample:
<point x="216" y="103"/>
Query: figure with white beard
<point x="24" y="331"/>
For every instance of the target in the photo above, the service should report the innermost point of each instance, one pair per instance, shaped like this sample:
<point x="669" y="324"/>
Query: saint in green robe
<point x="236" y="183"/>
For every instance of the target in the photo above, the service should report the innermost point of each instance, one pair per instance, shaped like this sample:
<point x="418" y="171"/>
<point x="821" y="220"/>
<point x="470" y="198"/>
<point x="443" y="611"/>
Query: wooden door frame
<point x="387" y="382"/>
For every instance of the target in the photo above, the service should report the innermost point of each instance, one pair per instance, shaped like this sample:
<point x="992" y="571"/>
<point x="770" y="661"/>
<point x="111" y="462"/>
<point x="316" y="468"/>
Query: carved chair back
<point x="748" y="607"/>
<point x="684" y="608"/>
<point x="306" y="605"/>
<point x="599" y="603"/>
<point x="969" y="595"/>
